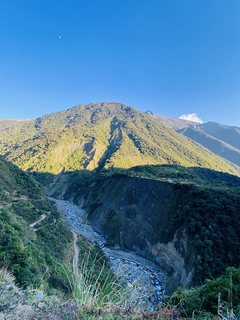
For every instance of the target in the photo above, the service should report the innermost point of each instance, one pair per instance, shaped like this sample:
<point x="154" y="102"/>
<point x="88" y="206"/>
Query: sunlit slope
<point x="220" y="139"/>
<point x="102" y="135"/>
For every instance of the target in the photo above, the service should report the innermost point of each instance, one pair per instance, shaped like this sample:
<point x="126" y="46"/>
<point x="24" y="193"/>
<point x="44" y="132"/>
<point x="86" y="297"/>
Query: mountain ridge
<point x="221" y="139"/>
<point x="102" y="135"/>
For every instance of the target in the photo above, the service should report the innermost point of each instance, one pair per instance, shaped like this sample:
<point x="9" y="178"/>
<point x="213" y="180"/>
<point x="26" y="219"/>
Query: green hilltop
<point x="102" y="135"/>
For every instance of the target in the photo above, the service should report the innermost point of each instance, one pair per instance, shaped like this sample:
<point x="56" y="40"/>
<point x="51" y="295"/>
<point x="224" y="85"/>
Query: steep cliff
<point x="181" y="226"/>
<point x="135" y="214"/>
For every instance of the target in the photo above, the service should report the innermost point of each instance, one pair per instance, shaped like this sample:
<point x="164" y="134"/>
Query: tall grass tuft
<point x="100" y="294"/>
<point x="96" y="291"/>
<point x="6" y="275"/>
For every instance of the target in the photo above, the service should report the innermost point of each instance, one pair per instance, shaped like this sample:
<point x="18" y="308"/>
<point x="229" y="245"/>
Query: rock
<point x="39" y="296"/>
<point x="9" y="286"/>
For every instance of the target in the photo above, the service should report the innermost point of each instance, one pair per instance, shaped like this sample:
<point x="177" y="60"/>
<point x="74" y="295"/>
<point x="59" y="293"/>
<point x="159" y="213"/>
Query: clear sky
<point x="173" y="57"/>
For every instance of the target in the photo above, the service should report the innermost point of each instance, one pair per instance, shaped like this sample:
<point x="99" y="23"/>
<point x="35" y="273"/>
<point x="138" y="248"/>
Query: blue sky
<point x="173" y="57"/>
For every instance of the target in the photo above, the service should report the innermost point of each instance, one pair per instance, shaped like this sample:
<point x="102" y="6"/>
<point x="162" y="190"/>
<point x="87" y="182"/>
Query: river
<point x="146" y="277"/>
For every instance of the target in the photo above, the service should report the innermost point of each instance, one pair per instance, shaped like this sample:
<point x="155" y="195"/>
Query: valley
<point x="160" y="208"/>
<point x="149" y="279"/>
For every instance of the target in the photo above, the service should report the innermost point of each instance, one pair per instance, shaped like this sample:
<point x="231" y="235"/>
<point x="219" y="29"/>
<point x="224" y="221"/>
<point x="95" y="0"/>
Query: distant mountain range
<point x="101" y="135"/>
<point x="222" y="140"/>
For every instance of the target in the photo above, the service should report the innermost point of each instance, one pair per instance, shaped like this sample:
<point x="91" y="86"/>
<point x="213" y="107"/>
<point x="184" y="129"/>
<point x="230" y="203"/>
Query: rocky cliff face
<point x="135" y="214"/>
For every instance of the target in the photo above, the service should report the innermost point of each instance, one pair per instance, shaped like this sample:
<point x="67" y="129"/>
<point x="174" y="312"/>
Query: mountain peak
<point x="102" y="135"/>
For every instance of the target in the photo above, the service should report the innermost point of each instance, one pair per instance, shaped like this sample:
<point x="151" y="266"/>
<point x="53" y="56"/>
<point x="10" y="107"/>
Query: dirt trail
<point x="43" y="216"/>
<point x="75" y="253"/>
<point x="46" y="271"/>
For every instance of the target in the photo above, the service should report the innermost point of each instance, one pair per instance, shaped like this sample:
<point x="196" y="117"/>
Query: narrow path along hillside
<point x="43" y="216"/>
<point x="129" y="266"/>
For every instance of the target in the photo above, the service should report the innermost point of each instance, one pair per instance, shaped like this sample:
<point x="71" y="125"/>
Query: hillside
<point x="35" y="242"/>
<point x="11" y="123"/>
<point x="28" y="252"/>
<point x="102" y="135"/>
<point x="148" y="190"/>
<point x="185" y="219"/>
<point x="36" y="247"/>
<point x="220" y="139"/>
<point x="228" y="134"/>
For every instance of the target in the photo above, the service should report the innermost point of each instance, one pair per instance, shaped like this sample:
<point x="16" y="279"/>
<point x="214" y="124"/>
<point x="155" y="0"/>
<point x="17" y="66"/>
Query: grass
<point x="92" y="292"/>
<point x="6" y="275"/>
<point x="93" y="299"/>
<point x="99" y="297"/>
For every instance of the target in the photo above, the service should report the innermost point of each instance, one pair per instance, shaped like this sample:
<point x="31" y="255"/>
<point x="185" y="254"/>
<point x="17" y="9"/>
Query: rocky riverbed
<point x="141" y="275"/>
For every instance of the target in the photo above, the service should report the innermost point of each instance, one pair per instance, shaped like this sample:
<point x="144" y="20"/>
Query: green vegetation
<point x="220" y="296"/>
<point x="83" y="182"/>
<point x="15" y="182"/>
<point x="103" y="135"/>
<point x="95" y="287"/>
<point x="178" y="174"/>
<point x="17" y="303"/>
<point x="112" y="228"/>
<point x="207" y="205"/>
<point x="28" y="253"/>
<point x="31" y="254"/>
<point x="91" y="148"/>
<point x="93" y="261"/>
<point x="211" y="218"/>
<point x="34" y="240"/>
<point x="203" y="202"/>
<point x="220" y="139"/>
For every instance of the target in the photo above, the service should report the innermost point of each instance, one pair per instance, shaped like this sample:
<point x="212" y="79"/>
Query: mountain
<point x="147" y="189"/>
<point x="102" y="135"/>
<point x="173" y="123"/>
<point x="228" y="134"/>
<point x="220" y="139"/>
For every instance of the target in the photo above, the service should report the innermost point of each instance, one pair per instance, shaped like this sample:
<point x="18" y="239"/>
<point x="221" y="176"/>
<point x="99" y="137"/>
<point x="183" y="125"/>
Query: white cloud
<point x="59" y="37"/>
<point x="191" y="117"/>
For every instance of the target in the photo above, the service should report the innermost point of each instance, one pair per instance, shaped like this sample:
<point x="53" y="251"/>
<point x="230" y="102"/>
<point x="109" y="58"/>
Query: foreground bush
<point x="218" y="298"/>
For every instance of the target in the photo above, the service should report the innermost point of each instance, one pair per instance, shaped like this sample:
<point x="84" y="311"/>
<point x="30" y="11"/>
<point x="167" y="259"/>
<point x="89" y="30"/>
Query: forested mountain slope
<point x="228" y="134"/>
<point x="31" y="253"/>
<point x="11" y="123"/>
<point x="102" y="135"/>
<point x="35" y="242"/>
<point x="185" y="219"/>
<point x="220" y="139"/>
